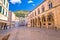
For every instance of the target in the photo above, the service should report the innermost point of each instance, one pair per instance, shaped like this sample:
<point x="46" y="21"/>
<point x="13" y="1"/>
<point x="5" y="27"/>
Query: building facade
<point x="4" y="7"/>
<point x="46" y="15"/>
<point x="13" y="19"/>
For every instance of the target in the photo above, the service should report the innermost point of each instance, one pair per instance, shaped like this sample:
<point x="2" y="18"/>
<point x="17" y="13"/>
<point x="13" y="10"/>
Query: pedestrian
<point x="55" y="28"/>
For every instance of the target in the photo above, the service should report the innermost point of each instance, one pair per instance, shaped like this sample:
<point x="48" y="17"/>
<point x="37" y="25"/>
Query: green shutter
<point x="4" y="1"/>
<point x="6" y="13"/>
<point x="0" y="8"/>
<point x="3" y="11"/>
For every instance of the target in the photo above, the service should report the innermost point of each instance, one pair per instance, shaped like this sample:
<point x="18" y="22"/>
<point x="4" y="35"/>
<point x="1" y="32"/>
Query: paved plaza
<point x="25" y="33"/>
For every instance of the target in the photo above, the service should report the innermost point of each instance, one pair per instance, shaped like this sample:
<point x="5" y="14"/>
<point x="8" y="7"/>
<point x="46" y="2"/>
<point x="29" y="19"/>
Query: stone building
<point x="46" y="15"/>
<point x="4" y="6"/>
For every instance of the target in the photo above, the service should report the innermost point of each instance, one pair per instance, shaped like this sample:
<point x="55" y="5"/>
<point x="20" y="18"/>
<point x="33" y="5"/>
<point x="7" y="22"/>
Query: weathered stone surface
<point x="24" y="33"/>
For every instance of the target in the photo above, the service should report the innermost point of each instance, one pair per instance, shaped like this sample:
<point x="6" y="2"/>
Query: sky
<point x="28" y="5"/>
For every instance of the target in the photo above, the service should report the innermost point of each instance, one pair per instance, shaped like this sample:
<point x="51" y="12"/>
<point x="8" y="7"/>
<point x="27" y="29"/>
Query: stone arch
<point x="43" y="21"/>
<point x="43" y="18"/>
<point x="50" y="19"/>
<point x="39" y="22"/>
<point x="31" y="23"/>
<point x="35" y="22"/>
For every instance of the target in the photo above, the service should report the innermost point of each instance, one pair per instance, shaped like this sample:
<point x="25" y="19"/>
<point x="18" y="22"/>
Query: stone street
<point x="25" y="33"/>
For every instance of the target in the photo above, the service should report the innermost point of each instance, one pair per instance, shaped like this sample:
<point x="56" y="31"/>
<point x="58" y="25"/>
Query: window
<point x="4" y="1"/>
<point x="0" y="8"/>
<point x="35" y="13"/>
<point x="44" y="24"/>
<point x="6" y="13"/>
<point x="50" y="18"/>
<point x="49" y="23"/>
<point x="7" y="5"/>
<point x="43" y="9"/>
<point x="50" y="5"/>
<point x="38" y="11"/>
<point x="43" y="19"/>
<point x="3" y="11"/>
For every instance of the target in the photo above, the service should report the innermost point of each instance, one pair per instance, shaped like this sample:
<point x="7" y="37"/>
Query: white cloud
<point x="15" y="1"/>
<point x="33" y="4"/>
<point x="30" y="1"/>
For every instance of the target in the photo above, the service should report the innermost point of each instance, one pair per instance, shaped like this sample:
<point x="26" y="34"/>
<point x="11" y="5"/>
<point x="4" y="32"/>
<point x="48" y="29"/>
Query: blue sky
<point x="29" y="5"/>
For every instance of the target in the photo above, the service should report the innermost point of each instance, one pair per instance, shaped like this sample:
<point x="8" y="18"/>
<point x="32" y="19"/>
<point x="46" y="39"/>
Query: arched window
<point x="43" y="8"/>
<point x="50" y="17"/>
<point x="43" y="19"/>
<point x="35" y="13"/>
<point x="50" y="5"/>
<point x="38" y="11"/>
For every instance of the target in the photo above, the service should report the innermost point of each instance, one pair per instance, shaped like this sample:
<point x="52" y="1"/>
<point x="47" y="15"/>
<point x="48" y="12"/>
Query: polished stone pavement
<point x="25" y="33"/>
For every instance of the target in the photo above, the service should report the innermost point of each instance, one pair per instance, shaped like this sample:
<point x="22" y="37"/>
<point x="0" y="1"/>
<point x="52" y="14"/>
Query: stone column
<point x="37" y="22"/>
<point x="46" y="22"/>
<point x="41" y="21"/>
<point x="34" y="22"/>
<point x="31" y="23"/>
